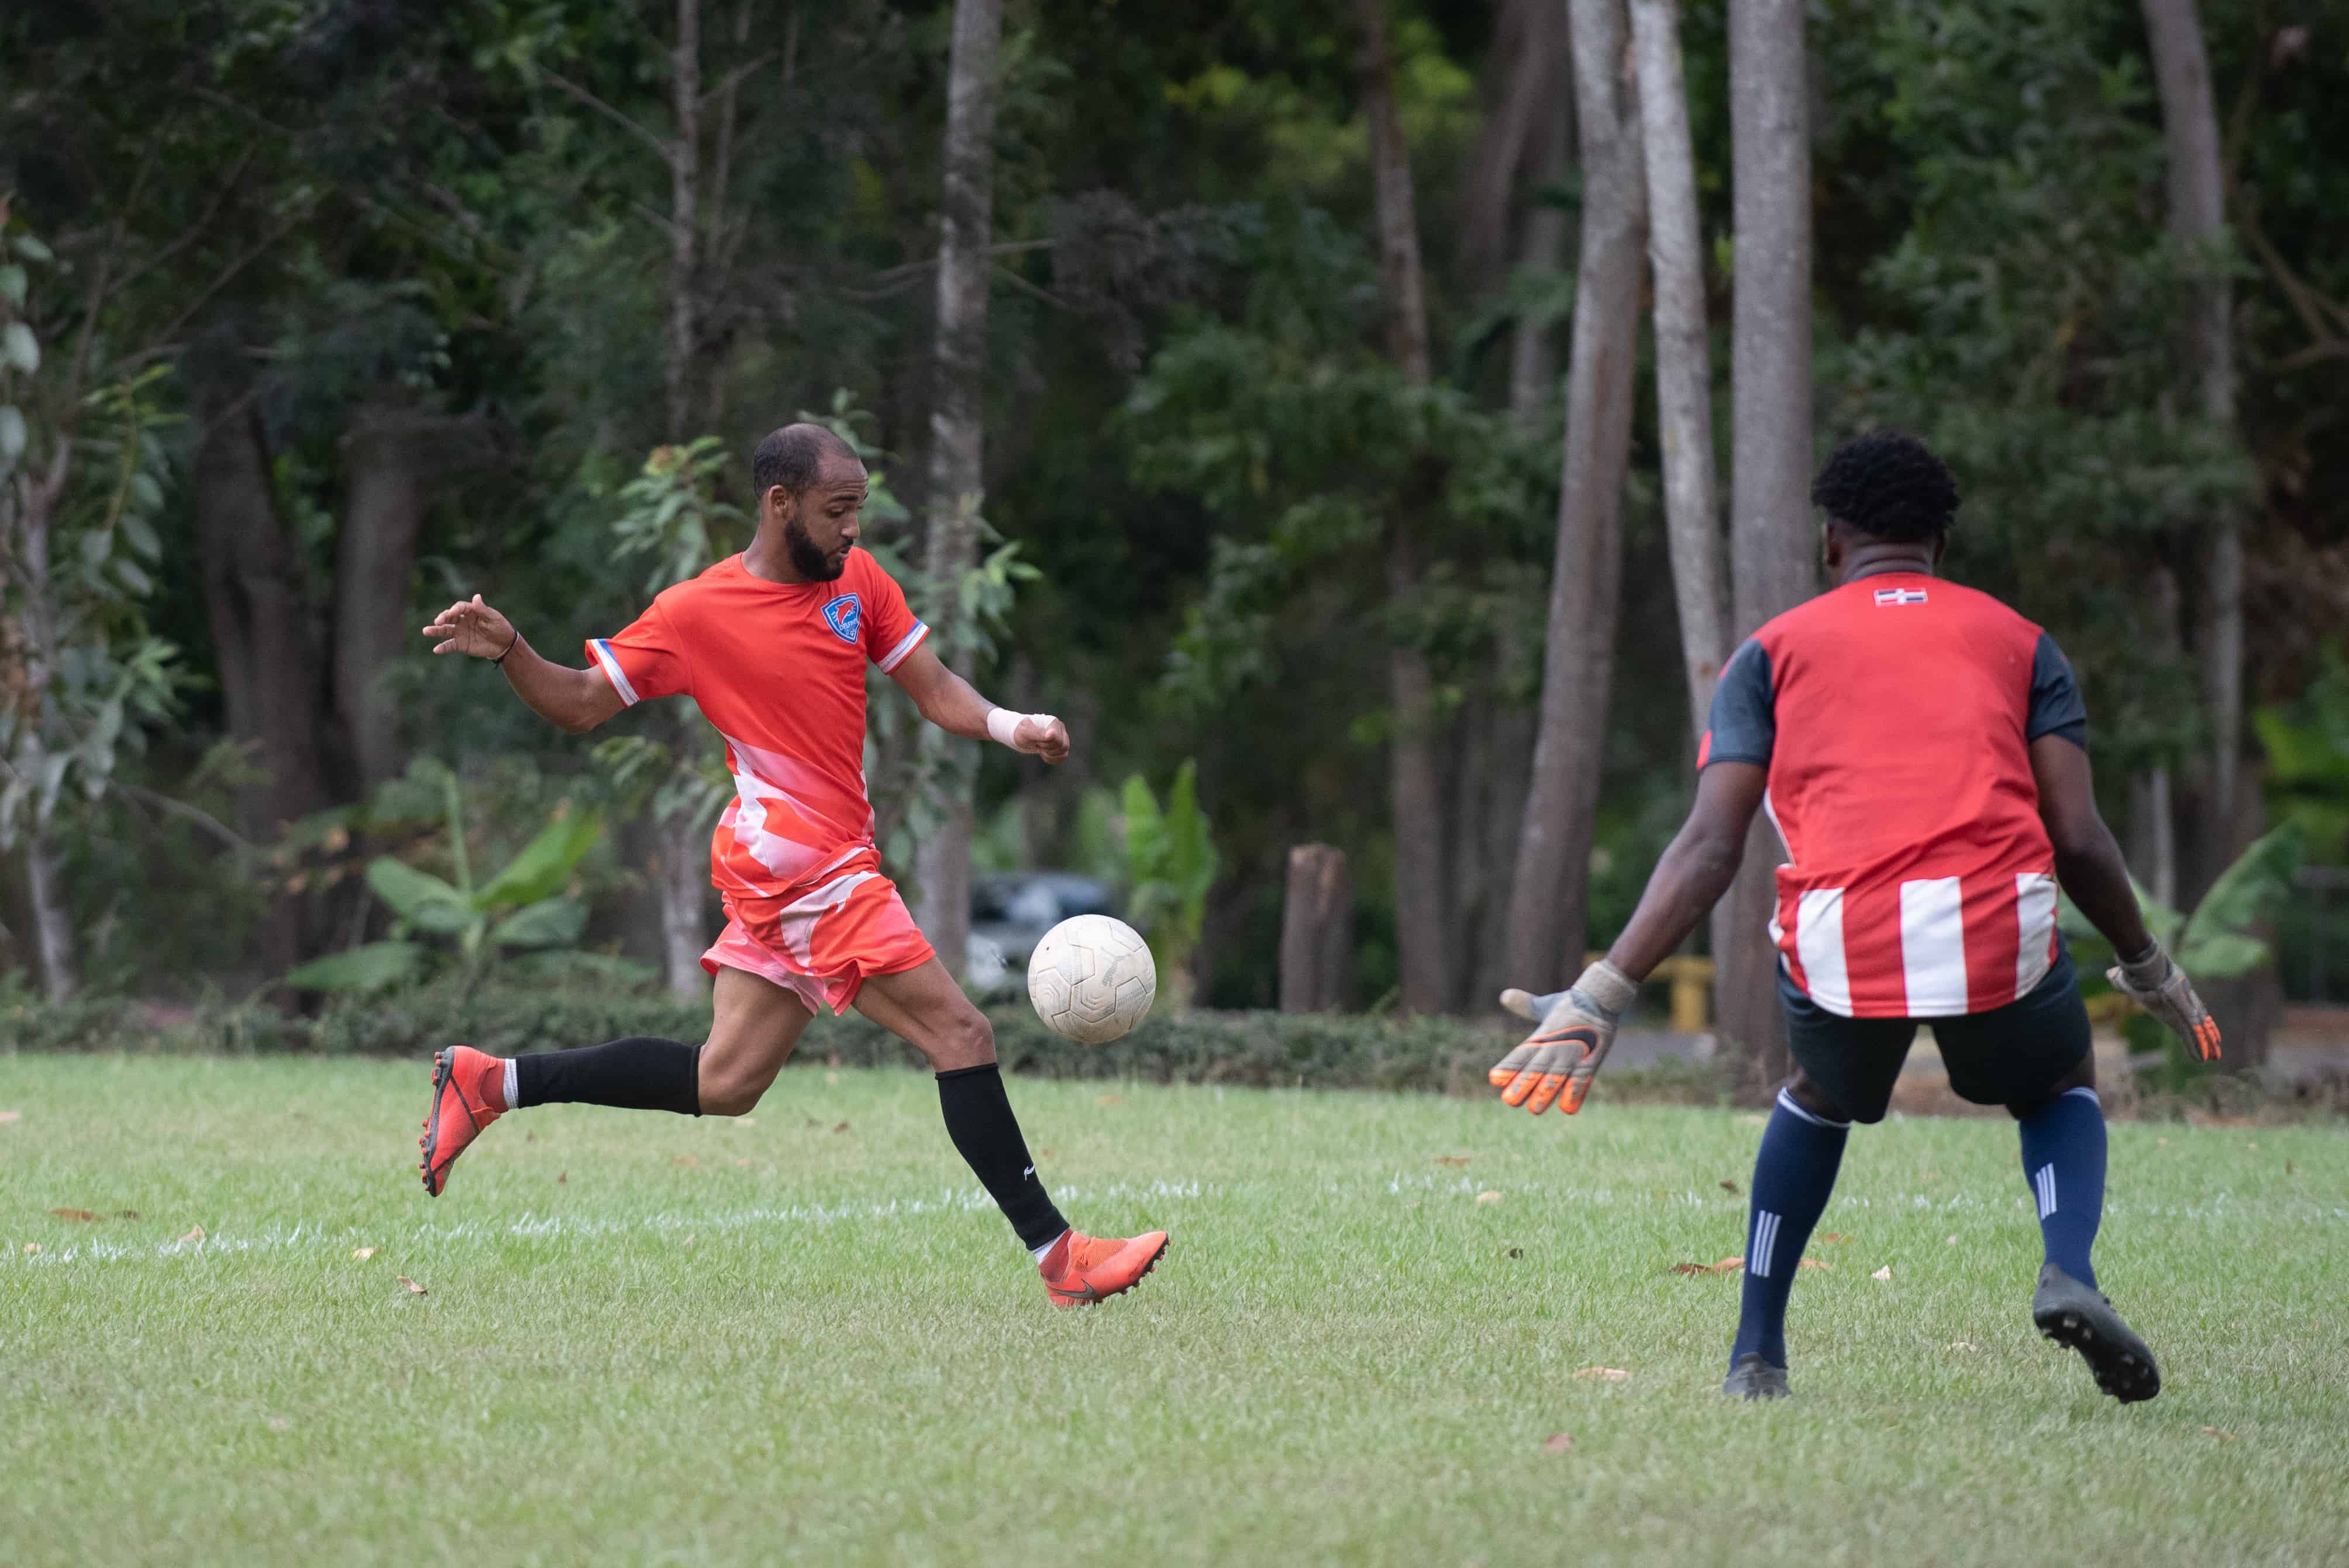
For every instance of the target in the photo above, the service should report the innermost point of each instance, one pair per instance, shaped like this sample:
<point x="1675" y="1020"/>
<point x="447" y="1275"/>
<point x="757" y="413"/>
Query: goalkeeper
<point x="1923" y="750"/>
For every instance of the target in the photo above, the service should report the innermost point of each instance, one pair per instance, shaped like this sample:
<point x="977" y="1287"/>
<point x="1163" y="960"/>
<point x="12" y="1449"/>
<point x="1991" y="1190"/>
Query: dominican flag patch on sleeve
<point x="1899" y="596"/>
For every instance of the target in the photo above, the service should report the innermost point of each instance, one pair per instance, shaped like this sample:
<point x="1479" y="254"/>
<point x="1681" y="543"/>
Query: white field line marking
<point x="946" y="1201"/>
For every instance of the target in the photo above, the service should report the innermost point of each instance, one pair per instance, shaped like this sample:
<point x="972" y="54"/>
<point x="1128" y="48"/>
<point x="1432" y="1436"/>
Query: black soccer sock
<point x="1793" y="1177"/>
<point x="636" y="1074"/>
<point x="985" y="1132"/>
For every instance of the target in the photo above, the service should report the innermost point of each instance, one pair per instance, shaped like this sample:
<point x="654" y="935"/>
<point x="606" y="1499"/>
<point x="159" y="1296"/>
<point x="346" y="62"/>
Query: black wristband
<point x="509" y="647"/>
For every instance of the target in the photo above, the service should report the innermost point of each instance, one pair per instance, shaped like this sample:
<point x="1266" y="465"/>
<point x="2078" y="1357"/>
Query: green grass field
<point x="805" y="1337"/>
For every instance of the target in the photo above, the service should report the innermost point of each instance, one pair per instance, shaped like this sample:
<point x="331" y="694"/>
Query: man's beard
<point x="806" y="559"/>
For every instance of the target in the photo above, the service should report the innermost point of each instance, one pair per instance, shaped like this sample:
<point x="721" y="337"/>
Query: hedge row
<point x="1261" y="1050"/>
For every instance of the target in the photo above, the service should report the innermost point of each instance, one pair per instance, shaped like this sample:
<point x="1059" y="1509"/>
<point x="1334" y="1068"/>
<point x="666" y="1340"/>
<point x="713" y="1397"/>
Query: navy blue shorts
<point x="2009" y="1056"/>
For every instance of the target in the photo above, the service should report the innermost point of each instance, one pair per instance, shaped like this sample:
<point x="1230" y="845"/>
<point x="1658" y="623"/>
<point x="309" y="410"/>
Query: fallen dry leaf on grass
<point x="86" y="1216"/>
<point x="12" y="1116"/>
<point x="1604" y="1374"/>
<point x="413" y="1288"/>
<point x="1728" y="1186"/>
<point x="1512" y="1252"/>
<point x="684" y="1159"/>
<point x="1109" y="1099"/>
<point x="126" y="1214"/>
<point x="1884" y="1272"/>
<point x="2215" y="1432"/>
<point x="1451" y="1158"/>
<point x="688" y="1241"/>
<point x="1834" y="1236"/>
<point x="741" y="1163"/>
<point x="363" y="1253"/>
<point x="1963" y="1345"/>
<point x="842" y="1127"/>
<point x="560" y="1180"/>
<point x="31" y="1248"/>
<point x="1489" y="1196"/>
<point x="1813" y="1264"/>
<point x="1726" y="1265"/>
<point x="195" y="1233"/>
<point x="1557" y="1442"/>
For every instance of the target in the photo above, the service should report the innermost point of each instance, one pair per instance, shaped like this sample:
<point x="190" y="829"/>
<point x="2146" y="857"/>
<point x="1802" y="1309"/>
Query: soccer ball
<point x="1092" y="979"/>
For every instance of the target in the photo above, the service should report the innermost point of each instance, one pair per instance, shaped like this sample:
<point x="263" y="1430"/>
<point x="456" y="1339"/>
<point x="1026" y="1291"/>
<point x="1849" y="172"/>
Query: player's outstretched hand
<point x="1041" y="734"/>
<point x="2162" y="989"/>
<point x="1557" y="1062"/>
<point x="471" y="626"/>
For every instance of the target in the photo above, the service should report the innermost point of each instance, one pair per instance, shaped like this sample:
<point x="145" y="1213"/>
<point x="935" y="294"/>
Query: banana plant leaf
<point x="419" y="898"/>
<point x="369" y="968"/>
<point x="550" y="922"/>
<point x="545" y="863"/>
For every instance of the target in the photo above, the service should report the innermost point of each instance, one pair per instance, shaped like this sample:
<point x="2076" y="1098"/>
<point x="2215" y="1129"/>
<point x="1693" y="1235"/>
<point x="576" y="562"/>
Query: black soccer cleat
<point x="1754" y="1379"/>
<point x="2073" y="1314"/>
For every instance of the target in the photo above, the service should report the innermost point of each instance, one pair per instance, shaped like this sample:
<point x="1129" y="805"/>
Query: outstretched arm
<point x="2087" y="860"/>
<point x="576" y="700"/>
<point x="2088" y="864"/>
<point x="1694" y="869"/>
<point x="949" y="702"/>
<point x="1576" y="1026"/>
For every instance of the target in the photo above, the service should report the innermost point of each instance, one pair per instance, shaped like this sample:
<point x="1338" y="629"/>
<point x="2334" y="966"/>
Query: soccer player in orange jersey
<point x="773" y="644"/>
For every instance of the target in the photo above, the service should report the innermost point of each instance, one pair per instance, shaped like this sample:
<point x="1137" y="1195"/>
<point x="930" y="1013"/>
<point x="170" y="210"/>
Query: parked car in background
<point x="1011" y="911"/>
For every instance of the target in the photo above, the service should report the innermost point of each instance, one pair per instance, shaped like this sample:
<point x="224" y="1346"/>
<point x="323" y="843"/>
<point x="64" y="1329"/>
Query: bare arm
<point x="576" y="700"/>
<point x="2087" y="861"/>
<point x="949" y="702"/>
<point x="1695" y="869"/>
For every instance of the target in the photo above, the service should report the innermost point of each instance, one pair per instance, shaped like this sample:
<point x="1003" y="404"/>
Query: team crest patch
<point x="845" y="616"/>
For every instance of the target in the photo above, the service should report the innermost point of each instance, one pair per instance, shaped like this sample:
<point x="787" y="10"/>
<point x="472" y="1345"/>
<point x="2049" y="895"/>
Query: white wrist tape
<point x="1002" y="723"/>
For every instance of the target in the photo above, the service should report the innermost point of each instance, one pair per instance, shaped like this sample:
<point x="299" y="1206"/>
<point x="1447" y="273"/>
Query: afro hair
<point x="1888" y="486"/>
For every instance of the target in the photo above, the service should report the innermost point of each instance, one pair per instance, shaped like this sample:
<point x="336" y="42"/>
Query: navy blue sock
<point x="1793" y="1176"/>
<point x="2064" y="1161"/>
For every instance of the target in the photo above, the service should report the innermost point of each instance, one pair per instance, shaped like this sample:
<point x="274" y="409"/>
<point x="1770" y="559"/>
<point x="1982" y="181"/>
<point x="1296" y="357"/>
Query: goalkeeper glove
<point x="1559" y="1059"/>
<point x="2162" y="989"/>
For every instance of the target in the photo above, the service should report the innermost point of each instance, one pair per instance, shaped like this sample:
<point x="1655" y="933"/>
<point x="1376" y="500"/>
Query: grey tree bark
<point x="1684" y="357"/>
<point x="682" y="844"/>
<point x="258" y="609"/>
<point x="1523" y="134"/>
<point x="375" y="555"/>
<point x="1770" y="390"/>
<point x="2198" y="220"/>
<point x="1547" y="906"/>
<point x="958" y="447"/>
<point x="1415" y="795"/>
<point x="1317" y="931"/>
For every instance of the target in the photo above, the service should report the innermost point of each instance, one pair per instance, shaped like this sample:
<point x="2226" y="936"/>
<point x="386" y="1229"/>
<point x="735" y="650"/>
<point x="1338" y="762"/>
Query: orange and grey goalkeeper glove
<point x="2162" y="989"/>
<point x="1559" y="1059"/>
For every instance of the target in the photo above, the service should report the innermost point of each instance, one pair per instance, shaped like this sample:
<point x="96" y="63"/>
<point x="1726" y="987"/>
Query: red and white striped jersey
<point x="1895" y="715"/>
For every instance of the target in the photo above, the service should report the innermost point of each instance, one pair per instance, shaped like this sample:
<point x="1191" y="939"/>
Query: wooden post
<point x="1316" y="932"/>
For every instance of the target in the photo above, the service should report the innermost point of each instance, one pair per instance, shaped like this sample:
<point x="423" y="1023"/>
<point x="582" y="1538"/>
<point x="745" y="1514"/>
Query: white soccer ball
<point x="1092" y="979"/>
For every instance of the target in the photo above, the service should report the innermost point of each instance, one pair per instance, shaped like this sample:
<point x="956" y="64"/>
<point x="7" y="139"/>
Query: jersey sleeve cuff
<point x="610" y="665"/>
<point x="906" y="645"/>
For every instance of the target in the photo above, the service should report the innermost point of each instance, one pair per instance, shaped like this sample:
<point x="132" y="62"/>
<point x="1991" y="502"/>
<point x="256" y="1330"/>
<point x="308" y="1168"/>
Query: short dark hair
<point x="1888" y="485"/>
<point x="793" y="455"/>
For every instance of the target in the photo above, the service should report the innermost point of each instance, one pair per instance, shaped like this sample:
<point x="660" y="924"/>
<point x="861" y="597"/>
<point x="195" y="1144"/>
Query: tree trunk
<point x="957" y="444"/>
<point x="684" y="217"/>
<point x="256" y="606"/>
<point x="1533" y="342"/>
<point x="2197" y="220"/>
<point x="1770" y="389"/>
<point x="1523" y="132"/>
<point x="375" y="556"/>
<point x="1683" y="360"/>
<point x="1316" y="932"/>
<point x="1415" y="795"/>
<point x="53" y="932"/>
<point x="1547" y="904"/>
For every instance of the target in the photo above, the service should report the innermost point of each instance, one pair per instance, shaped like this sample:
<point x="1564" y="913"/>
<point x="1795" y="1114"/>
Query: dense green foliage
<point x="291" y="226"/>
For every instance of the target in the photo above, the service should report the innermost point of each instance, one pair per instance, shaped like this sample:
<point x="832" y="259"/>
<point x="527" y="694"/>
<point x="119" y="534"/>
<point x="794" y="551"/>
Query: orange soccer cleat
<point x="468" y="1094"/>
<point x="1081" y="1270"/>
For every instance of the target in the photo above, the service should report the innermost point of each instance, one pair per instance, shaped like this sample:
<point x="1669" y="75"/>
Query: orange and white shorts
<point x="823" y="940"/>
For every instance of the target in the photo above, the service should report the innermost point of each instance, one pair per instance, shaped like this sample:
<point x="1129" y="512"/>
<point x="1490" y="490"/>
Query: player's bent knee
<point x="2083" y="1076"/>
<point x="1803" y="1091"/>
<point x="966" y="1042"/>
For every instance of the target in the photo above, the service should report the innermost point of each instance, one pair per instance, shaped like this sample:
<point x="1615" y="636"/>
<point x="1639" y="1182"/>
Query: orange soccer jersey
<point x="779" y="668"/>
